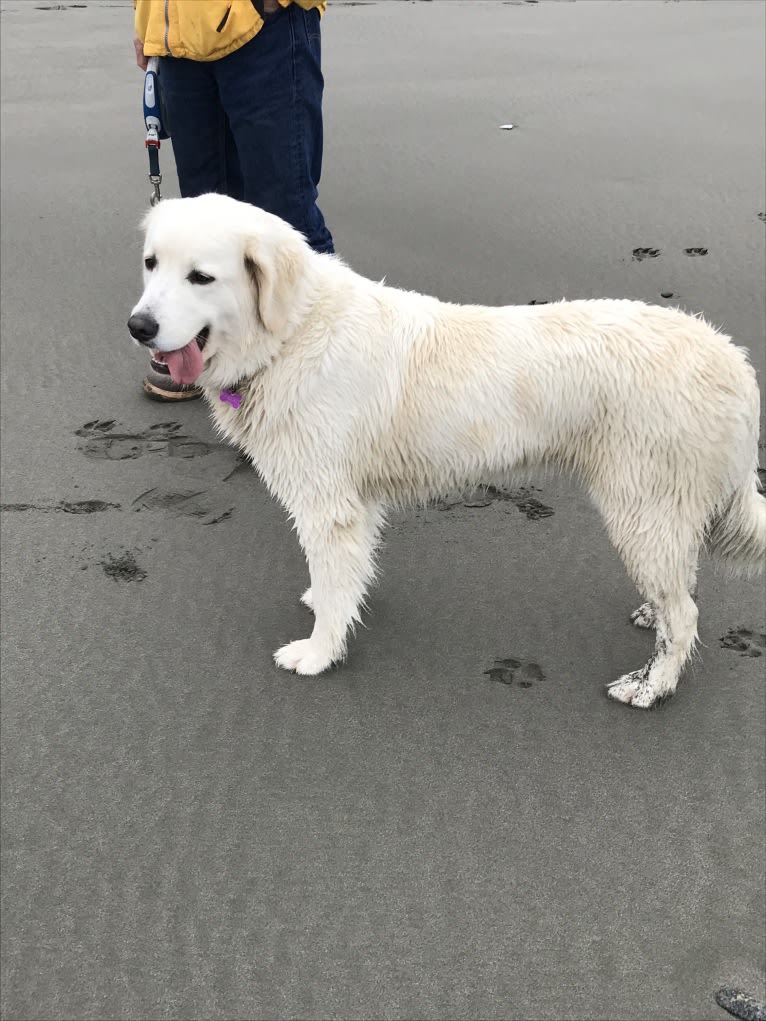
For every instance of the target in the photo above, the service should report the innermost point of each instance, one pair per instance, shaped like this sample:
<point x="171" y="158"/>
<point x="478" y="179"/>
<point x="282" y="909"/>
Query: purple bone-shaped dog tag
<point x="230" y="397"/>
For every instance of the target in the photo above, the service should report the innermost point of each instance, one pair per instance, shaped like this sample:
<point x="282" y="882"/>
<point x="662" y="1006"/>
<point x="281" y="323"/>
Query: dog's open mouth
<point x="185" y="363"/>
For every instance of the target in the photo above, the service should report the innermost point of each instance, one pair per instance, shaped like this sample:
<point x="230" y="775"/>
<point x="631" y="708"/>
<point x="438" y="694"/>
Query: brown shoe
<point x="159" y="385"/>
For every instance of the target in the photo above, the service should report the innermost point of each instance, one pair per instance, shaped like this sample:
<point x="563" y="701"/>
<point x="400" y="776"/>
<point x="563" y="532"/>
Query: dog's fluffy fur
<point x="357" y="396"/>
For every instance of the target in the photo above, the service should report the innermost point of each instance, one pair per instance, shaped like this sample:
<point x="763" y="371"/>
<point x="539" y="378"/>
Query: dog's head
<point x="222" y="287"/>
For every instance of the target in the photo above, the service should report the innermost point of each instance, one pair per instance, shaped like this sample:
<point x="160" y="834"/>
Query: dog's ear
<point x="274" y="268"/>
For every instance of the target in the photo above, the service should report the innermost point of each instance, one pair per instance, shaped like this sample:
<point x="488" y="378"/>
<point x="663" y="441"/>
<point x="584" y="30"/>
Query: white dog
<point x="349" y="396"/>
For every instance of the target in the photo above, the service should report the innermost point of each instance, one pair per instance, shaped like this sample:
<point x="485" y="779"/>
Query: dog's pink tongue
<point x="185" y="364"/>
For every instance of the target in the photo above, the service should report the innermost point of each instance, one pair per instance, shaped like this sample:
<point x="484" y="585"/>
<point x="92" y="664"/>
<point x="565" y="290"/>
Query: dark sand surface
<point x="189" y="832"/>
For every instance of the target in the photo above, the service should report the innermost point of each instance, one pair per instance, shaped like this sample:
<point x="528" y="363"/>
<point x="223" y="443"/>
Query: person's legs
<point x="271" y="90"/>
<point x="204" y="150"/>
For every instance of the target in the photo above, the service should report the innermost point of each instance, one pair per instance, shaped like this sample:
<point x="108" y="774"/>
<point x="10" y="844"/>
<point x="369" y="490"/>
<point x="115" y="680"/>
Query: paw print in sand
<point x="744" y="641"/>
<point x="519" y="671"/>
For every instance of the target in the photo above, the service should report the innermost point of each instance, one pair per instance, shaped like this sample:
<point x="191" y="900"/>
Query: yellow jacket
<point x="201" y="29"/>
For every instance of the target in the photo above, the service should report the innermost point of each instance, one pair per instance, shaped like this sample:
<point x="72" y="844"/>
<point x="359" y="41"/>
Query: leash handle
<point x="153" y="100"/>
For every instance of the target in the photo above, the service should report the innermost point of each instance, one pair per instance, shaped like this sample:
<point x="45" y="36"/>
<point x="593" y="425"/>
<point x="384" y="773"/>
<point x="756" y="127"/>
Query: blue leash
<point x="156" y="129"/>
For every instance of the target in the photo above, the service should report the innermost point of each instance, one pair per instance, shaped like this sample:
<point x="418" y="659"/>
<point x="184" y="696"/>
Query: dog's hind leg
<point x="341" y="564"/>
<point x="646" y="614"/>
<point x="676" y="634"/>
<point x="663" y="564"/>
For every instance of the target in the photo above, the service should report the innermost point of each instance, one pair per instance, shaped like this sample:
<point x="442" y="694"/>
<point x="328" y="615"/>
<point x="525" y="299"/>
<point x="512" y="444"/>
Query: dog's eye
<point x="195" y="277"/>
<point x="150" y="262"/>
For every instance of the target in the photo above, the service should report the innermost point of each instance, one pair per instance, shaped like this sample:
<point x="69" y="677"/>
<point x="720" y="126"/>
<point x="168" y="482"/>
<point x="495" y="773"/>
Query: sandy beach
<point x="429" y="831"/>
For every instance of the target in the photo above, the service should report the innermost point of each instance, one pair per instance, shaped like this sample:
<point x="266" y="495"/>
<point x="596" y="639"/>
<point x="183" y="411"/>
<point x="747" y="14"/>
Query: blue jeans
<point x="250" y="124"/>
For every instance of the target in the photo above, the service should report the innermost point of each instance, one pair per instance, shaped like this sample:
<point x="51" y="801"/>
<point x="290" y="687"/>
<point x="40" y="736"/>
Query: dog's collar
<point x="232" y="397"/>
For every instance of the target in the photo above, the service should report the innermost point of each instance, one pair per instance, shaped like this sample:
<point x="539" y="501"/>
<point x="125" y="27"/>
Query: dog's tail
<point x="738" y="533"/>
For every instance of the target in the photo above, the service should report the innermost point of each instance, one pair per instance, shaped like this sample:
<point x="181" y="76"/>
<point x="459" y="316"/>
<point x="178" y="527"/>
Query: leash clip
<point x="155" y="197"/>
<point x="153" y="147"/>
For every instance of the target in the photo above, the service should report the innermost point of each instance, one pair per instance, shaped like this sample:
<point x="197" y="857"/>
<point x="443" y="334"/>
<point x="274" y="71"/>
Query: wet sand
<point x="456" y="823"/>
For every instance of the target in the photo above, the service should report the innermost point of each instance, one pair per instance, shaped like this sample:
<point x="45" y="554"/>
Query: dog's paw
<point x="645" y="616"/>
<point x="308" y="599"/>
<point x="636" y="690"/>
<point x="303" y="657"/>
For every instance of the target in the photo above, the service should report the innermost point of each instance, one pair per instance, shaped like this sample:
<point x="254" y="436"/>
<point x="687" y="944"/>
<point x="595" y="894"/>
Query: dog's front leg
<point x="341" y="564"/>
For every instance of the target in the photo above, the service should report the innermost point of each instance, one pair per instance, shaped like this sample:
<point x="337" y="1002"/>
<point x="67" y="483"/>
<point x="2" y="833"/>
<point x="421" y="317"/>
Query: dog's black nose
<point x="143" y="328"/>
